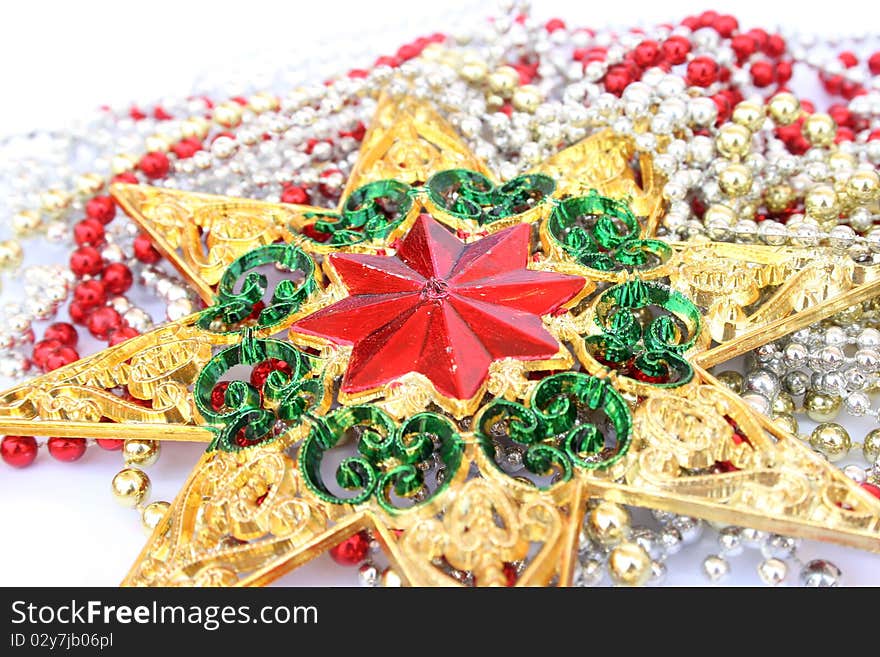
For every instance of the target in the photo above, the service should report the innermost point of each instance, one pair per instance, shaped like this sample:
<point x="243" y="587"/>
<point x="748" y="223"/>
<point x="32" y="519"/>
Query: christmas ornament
<point x="457" y="366"/>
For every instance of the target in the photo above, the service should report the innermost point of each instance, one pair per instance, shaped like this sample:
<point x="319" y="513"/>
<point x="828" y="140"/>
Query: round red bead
<point x="122" y="334"/>
<point x="617" y="79"/>
<point x="555" y="24"/>
<point x="762" y="73"/>
<point x="126" y="177"/>
<point x="86" y="261"/>
<point x="874" y="63"/>
<point x="295" y="195"/>
<point x="647" y="53"/>
<point x="101" y="208"/>
<point x="702" y="72"/>
<point x="154" y="165"/>
<point x="62" y="332"/>
<point x="18" y="451"/>
<point x="90" y="294"/>
<point x="77" y="312"/>
<point x="676" y="49"/>
<point x="186" y="148"/>
<point x="43" y="348"/>
<point x="60" y="357"/>
<point x="67" y="449"/>
<point x="116" y="278"/>
<point x="103" y="321"/>
<point x="145" y="251"/>
<point x="743" y="45"/>
<point x="88" y="232"/>
<point x="848" y="58"/>
<point x="784" y="72"/>
<point x="352" y="550"/>
<point x="775" y="46"/>
<point x="110" y="444"/>
<point x="726" y="25"/>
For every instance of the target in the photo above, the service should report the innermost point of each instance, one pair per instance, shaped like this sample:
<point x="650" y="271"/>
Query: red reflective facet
<point x="442" y="308"/>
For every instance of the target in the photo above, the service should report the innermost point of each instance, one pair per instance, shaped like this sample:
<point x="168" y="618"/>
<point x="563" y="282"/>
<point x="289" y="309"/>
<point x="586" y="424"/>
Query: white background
<point x="63" y="59"/>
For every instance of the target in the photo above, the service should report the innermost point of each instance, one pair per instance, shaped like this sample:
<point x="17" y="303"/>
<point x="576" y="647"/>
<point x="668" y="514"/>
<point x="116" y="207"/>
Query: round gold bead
<point x="228" y="114"/>
<point x="839" y="161"/>
<point x="526" y="99"/>
<point x="504" y="81"/>
<point x="152" y="515"/>
<point x="778" y="197"/>
<point x="787" y="422"/>
<point x="89" y="184"/>
<point x="832" y="440"/>
<point x="749" y="115"/>
<point x="819" y="129"/>
<point x="863" y="186"/>
<point x="732" y="379"/>
<point x="474" y="71"/>
<point x="390" y="579"/>
<point x="139" y="451"/>
<point x="821" y="203"/>
<point x="26" y="223"/>
<point x="263" y="102"/>
<point x="157" y="144"/>
<point x="608" y="523"/>
<point x="719" y="214"/>
<point x="821" y="407"/>
<point x="735" y="180"/>
<point x="195" y="127"/>
<point x="629" y="565"/>
<point x="783" y="403"/>
<point x="122" y="163"/>
<point x="733" y="141"/>
<point x="871" y="446"/>
<point x="784" y="108"/>
<point x="130" y="487"/>
<point x="11" y="254"/>
<point x="55" y="201"/>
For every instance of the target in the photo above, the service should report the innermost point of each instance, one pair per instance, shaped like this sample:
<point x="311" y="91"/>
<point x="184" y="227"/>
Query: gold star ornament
<point x="457" y="365"/>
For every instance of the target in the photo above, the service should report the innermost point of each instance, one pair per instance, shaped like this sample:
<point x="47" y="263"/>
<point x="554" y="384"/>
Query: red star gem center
<point x="442" y="308"/>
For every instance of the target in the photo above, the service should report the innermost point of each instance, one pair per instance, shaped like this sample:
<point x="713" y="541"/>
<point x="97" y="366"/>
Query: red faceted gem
<point x="117" y="278"/>
<point x="702" y="71"/>
<point x="145" y="251"/>
<point x="261" y="371"/>
<point x="103" y="321"/>
<point x="295" y="195"/>
<point x="110" y="444"/>
<point x="67" y="449"/>
<point x="871" y="488"/>
<point x="352" y="550"/>
<point x="122" y="334"/>
<point x="86" y="261"/>
<point x="88" y="232"/>
<point x="18" y="451"/>
<point x="90" y="294"/>
<point x="154" y="165"/>
<point x="218" y="395"/>
<point x="62" y="332"/>
<point x="101" y="208"/>
<point x="510" y="573"/>
<point x="676" y="49"/>
<point x="442" y="308"/>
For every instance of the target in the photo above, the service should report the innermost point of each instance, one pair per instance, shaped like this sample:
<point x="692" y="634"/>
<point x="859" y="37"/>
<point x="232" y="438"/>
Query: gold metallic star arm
<point x="140" y="388"/>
